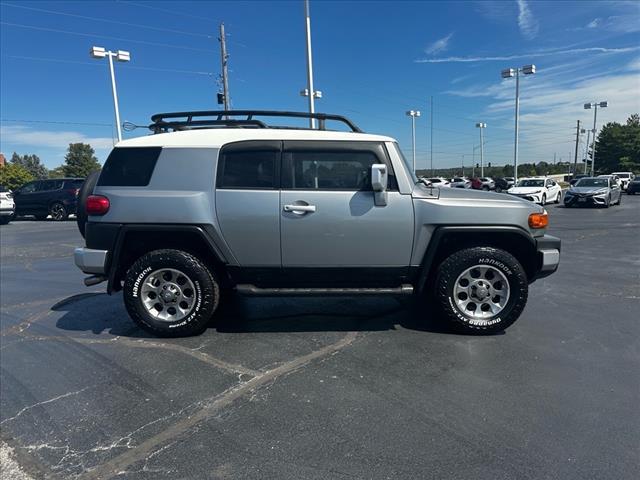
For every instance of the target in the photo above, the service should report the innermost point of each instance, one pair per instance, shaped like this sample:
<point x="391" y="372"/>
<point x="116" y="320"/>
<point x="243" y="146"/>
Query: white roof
<point x="216" y="137"/>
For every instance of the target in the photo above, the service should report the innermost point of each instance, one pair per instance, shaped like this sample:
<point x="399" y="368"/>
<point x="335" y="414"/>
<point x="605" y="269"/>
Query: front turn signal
<point x="539" y="220"/>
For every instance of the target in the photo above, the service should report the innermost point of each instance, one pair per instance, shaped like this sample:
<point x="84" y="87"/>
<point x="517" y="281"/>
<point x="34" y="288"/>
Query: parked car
<point x="511" y="181"/>
<point x="483" y="183"/>
<point x="598" y="191"/>
<point x="56" y="197"/>
<point x="460" y="182"/>
<point x="613" y="177"/>
<point x="439" y="182"/>
<point x="502" y="184"/>
<point x="7" y="206"/>
<point x="625" y="178"/>
<point x="577" y="177"/>
<point x="284" y="211"/>
<point x="538" y="190"/>
<point x="633" y="186"/>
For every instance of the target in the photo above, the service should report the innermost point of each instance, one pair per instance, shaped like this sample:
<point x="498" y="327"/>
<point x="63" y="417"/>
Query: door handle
<point x="299" y="209"/>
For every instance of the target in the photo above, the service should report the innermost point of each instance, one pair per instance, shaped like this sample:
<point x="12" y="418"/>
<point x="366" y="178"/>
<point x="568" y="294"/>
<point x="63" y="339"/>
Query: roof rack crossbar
<point x="222" y="117"/>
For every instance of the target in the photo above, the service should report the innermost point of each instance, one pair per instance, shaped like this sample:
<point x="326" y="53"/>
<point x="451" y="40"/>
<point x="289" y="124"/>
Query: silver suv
<point x="217" y="202"/>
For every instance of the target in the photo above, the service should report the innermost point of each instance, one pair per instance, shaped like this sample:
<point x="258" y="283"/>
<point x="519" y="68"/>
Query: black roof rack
<point x="174" y="121"/>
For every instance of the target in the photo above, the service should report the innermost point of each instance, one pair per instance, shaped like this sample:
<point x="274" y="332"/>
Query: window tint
<point x="73" y="183"/>
<point x="48" y="185"/>
<point x="129" y="166"/>
<point x="318" y="169"/>
<point x="250" y="168"/>
<point x="29" y="188"/>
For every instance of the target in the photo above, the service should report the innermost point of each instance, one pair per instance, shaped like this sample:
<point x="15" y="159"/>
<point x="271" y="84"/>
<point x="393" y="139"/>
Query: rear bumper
<point x="91" y="261"/>
<point x="548" y="251"/>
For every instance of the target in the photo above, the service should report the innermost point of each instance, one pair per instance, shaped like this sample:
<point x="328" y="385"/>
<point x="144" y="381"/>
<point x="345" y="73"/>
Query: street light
<point x="586" y="150"/>
<point x="481" y="126"/>
<point x="587" y="106"/>
<point x="413" y="114"/>
<point x="121" y="56"/>
<point x="515" y="72"/>
<point x="309" y="91"/>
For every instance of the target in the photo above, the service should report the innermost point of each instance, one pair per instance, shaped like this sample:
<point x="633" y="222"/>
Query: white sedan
<point x="538" y="190"/>
<point x="7" y="207"/>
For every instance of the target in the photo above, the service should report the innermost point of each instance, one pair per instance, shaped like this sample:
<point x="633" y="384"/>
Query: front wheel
<point x="543" y="202"/>
<point x="170" y="293"/>
<point x="559" y="197"/>
<point x="481" y="289"/>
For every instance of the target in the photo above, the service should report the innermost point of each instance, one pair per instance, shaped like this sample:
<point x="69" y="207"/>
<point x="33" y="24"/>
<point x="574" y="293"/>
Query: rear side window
<point x="73" y="183"/>
<point x="249" y="165"/>
<point x="129" y="166"/>
<point x="48" y="185"/>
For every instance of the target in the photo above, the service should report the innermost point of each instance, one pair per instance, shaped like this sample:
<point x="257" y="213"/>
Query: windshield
<point x="593" y="182"/>
<point x="409" y="168"/>
<point x="531" y="183"/>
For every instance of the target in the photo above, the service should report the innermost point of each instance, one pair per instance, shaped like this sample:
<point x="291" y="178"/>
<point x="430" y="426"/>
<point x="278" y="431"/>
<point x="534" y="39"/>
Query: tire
<point x="485" y="188"/>
<point x="619" y="202"/>
<point x="5" y="219"/>
<point x="503" y="267"/>
<point x="608" y="204"/>
<point x="194" y="282"/>
<point x="558" y="198"/>
<point x="86" y="190"/>
<point x="58" y="212"/>
<point x="543" y="201"/>
<point x="498" y="190"/>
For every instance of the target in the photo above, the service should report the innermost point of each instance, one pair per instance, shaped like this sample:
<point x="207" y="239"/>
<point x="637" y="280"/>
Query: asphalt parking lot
<point x="326" y="388"/>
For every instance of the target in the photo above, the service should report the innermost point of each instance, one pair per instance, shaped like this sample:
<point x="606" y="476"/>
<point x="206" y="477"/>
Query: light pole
<point x="588" y="106"/>
<point x="481" y="126"/>
<point x="413" y="114"/>
<point x="515" y="72"/>
<point x="309" y="91"/>
<point x="121" y="56"/>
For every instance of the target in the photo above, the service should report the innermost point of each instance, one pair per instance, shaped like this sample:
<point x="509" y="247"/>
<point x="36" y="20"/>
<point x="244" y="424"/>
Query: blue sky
<point x="372" y="61"/>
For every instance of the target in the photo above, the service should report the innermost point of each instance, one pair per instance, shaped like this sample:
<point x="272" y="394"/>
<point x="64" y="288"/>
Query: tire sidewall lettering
<point x="138" y="282"/>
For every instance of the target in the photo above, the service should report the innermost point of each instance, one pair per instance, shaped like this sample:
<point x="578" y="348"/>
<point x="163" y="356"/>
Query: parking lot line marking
<point x="142" y="343"/>
<point x="142" y="451"/>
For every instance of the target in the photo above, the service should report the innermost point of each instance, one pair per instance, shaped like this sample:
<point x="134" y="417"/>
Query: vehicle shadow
<point x="99" y="313"/>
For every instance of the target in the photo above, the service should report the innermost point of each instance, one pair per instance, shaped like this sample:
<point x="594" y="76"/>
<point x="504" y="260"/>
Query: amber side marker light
<point x="539" y="220"/>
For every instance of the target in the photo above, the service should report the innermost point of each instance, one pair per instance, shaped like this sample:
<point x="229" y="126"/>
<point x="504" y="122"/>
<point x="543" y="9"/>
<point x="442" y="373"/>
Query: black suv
<point x="56" y="197"/>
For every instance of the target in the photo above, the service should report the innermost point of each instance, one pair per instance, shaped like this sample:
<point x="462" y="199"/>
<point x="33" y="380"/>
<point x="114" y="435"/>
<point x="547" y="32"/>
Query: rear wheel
<point x="481" y="289"/>
<point x="170" y="293"/>
<point x="58" y="212"/>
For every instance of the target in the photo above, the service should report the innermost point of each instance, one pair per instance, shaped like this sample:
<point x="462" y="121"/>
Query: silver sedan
<point x="592" y="191"/>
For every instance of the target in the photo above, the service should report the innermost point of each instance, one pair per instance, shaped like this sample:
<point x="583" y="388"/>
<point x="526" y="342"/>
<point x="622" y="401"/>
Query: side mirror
<point x="379" y="183"/>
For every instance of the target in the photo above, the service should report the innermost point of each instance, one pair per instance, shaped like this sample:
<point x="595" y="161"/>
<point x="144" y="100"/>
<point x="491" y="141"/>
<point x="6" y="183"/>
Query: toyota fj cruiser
<point x="213" y="202"/>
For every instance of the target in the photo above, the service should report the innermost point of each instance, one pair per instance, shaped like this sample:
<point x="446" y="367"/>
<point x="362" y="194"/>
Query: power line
<point x="172" y="12"/>
<point x="116" y="22"/>
<point x="86" y="124"/>
<point x="94" y="35"/>
<point x="93" y="64"/>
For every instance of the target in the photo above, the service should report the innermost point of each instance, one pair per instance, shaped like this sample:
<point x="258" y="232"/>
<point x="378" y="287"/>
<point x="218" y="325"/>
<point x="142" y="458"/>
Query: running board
<point x="252" y="290"/>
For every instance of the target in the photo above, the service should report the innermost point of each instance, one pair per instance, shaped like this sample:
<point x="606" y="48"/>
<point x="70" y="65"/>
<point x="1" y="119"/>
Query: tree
<point x="14" y="175"/>
<point x="80" y="160"/>
<point x="618" y="146"/>
<point x="31" y="163"/>
<point x="57" y="172"/>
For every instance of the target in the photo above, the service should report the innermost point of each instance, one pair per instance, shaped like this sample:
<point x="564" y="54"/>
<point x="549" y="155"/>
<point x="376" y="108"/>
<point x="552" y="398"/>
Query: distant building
<point x="3" y="161"/>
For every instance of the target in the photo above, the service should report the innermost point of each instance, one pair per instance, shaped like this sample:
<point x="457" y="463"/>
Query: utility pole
<point x="575" y="158"/>
<point x="586" y="154"/>
<point x="225" y="76"/>
<point x="431" y="141"/>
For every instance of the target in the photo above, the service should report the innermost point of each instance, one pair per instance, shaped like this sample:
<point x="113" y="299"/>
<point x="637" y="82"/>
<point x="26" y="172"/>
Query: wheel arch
<point x="448" y="239"/>
<point x="133" y="241"/>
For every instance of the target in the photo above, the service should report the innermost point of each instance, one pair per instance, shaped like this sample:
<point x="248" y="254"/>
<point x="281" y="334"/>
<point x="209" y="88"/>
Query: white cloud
<point x="439" y="45"/>
<point x="526" y="21"/>
<point x="593" y="23"/>
<point x="544" y="53"/>
<point x="20" y="135"/>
